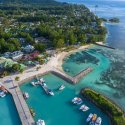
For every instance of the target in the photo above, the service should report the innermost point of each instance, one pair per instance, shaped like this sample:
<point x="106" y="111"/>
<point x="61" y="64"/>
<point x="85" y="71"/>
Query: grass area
<point x="116" y="114"/>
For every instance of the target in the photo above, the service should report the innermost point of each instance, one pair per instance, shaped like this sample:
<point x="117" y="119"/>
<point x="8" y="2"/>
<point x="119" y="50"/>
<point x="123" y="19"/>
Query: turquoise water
<point x="108" y="76"/>
<point x="8" y="112"/>
<point x="58" y="110"/>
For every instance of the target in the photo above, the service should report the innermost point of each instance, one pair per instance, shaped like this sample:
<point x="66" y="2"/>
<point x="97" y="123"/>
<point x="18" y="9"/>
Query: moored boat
<point x="2" y="94"/>
<point x="50" y="92"/>
<point x="42" y="80"/>
<point x="84" y="108"/>
<point x="89" y="117"/>
<point x="94" y="117"/>
<point x="40" y="122"/>
<point x="33" y="83"/>
<point x="25" y="95"/>
<point x="77" y="101"/>
<point x="61" y="87"/>
<point x="98" y="121"/>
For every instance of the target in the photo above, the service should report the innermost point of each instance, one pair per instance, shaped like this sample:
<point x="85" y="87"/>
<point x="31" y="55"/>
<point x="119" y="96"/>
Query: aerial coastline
<point x="34" y="47"/>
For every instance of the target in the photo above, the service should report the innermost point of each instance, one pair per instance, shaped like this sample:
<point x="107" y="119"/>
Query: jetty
<point x="22" y="108"/>
<point x="104" y="46"/>
<point x="70" y="79"/>
<point x="44" y="88"/>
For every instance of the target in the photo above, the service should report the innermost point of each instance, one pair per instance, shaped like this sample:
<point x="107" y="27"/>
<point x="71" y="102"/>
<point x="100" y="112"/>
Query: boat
<point x="2" y="94"/>
<point x="25" y="95"/>
<point x="89" y="117"/>
<point x="33" y="83"/>
<point x="42" y="80"/>
<point x="98" y="121"/>
<point x="32" y="112"/>
<point x="84" y="108"/>
<point x="94" y="117"/>
<point x="77" y="101"/>
<point x="40" y="122"/>
<point x="50" y="92"/>
<point x="61" y="87"/>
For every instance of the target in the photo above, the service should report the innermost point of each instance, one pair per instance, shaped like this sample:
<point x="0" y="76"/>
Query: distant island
<point x="111" y="20"/>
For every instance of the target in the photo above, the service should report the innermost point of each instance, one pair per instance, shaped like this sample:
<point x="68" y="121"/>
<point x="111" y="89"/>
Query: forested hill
<point x="49" y="2"/>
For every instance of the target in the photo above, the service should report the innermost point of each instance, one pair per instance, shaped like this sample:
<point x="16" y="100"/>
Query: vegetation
<point x="114" y="20"/>
<point x="61" y="24"/>
<point x="17" y="78"/>
<point x="115" y="113"/>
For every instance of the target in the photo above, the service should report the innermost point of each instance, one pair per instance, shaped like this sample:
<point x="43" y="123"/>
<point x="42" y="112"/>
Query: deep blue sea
<point x="108" y="9"/>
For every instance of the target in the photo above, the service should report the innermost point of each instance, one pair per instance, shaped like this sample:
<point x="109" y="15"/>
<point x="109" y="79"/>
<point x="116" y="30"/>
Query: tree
<point x="16" y="67"/>
<point x="59" y="43"/>
<point x="40" y="47"/>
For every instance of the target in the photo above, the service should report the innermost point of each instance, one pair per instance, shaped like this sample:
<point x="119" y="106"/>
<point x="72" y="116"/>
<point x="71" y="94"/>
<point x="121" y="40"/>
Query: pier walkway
<point x="70" y="79"/>
<point x="22" y="108"/>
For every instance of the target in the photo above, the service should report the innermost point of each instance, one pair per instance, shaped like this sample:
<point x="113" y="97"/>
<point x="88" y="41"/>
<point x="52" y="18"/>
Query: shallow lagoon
<point x="108" y="76"/>
<point x="58" y="110"/>
<point x="8" y="112"/>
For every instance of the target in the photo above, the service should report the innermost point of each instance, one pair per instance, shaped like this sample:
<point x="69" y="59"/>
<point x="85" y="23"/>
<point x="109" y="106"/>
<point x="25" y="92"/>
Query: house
<point x="16" y="55"/>
<point x="31" y="56"/>
<point x="22" y="40"/>
<point x="6" y="62"/>
<point x="28" y="48"/>
<point x="6" y="54"/>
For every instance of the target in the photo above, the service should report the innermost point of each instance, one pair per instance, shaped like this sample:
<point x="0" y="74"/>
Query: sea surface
<point x="58" y="109"/>
<point x="8" y="111"/>
<point x="108" y="9"/>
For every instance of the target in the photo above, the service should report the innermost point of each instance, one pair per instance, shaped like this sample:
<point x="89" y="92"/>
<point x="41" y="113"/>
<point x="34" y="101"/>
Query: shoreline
<point x="54" y="62"/>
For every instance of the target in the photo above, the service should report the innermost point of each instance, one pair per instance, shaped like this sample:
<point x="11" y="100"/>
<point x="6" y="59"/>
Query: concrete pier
<point x="70" y="79"/>
<point x="22" y="108"/>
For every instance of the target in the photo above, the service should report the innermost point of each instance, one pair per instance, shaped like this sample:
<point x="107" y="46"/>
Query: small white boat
<point x="77" y="101"/>
<point x="25" y="95"/>
<point x="50" y="92"/>
<point x="42" y="80"/>
<point x="40" y="122"/>
<point x="84" y="108"/>
<point x="98" y="121"/>
<point x="33" y="83"/>
<point x="2" y="94"/>
<point x="89" y="117"/>
<point x="61" y="87"/>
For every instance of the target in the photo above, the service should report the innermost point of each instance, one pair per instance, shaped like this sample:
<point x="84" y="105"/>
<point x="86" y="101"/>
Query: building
<point x="16" y="55"/>
<point x="28" y="48"/>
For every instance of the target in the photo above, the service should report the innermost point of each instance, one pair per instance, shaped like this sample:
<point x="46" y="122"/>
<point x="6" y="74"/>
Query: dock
<point x="104" y="46"/>
<point x="44" y="88"/>
<point x="22" y="108"/>
<point x="70" y="79"/>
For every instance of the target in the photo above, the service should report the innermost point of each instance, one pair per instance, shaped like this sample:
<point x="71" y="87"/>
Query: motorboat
<point x="50" y="92"/>
<point x="33" y="83"/>
<point x="42" y="80"/>
<point x="98" y="121"/>
<point x="89" y="117"/>
<point x="25" y="95"/>
<point x="61" y="87"/>
<point x="40" y="122"/>
<point x="84" y="108"/>
<point x="2" y="94"/>
<point x="94" y="117"/>
<point x="77" y="101"/>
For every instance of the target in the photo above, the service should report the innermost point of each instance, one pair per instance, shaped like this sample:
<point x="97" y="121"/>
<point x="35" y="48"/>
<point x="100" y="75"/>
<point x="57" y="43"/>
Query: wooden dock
<point x="22" y="108"/>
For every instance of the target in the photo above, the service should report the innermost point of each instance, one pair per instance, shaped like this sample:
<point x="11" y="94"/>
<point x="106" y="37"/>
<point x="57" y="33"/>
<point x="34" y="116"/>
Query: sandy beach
<point x="55" y="61"/>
